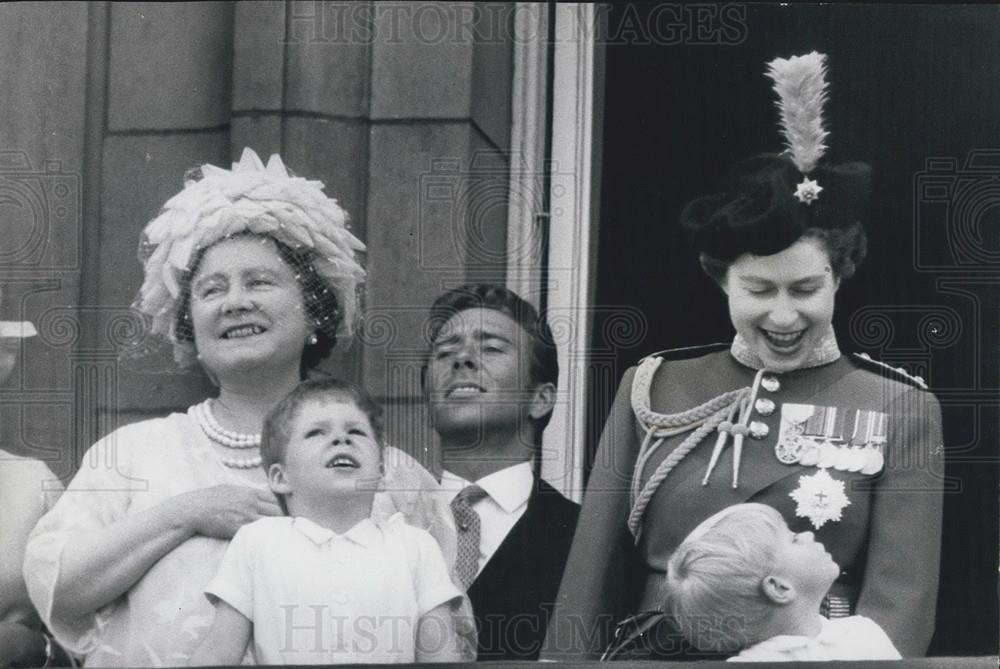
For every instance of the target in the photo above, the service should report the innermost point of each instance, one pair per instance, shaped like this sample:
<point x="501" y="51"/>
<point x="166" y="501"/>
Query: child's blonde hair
<point x="714" y="578"/>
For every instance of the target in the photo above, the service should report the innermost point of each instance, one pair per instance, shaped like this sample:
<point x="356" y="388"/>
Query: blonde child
<point x="743" y="581"/>
<point x="327" y="584"/>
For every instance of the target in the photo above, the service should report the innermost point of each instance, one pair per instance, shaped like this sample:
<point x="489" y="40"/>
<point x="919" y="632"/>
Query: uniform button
<point x="758" y="429"/>
<point x="764" y="406"/>
<point x="770" y="383"/>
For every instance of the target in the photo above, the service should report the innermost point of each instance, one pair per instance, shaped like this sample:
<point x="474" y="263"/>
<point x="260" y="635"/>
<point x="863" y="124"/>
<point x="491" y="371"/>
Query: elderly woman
<point x="253" y="273"/>
<point x="839" y="445"/>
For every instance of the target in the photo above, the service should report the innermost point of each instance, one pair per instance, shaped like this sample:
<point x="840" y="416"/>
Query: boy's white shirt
<point x="850" y="638"/>
<point x="507" y="493"/>
<point x="324" y="610"/>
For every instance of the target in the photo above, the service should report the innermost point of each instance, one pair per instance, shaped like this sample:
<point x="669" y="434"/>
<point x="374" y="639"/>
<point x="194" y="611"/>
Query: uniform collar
<point x="509" y="488"/>
<point x="826" y="351"/>
<point x="364" y="533"/>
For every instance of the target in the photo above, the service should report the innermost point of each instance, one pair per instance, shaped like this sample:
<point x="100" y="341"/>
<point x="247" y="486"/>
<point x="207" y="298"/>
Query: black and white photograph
<point x="455" y="332"/>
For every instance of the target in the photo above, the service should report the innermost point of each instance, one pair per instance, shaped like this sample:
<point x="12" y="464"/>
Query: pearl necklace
<point x="214" y="431"/>
<point x="220" y="435"/>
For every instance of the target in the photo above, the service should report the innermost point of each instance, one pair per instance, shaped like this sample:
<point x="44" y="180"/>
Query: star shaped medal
<point x="820" y="498"/>
<point x="807" y="191"/>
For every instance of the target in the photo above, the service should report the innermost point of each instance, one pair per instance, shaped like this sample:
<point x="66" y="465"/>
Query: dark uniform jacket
<point x="512" y="597"/>
<point x="887" y="541"/>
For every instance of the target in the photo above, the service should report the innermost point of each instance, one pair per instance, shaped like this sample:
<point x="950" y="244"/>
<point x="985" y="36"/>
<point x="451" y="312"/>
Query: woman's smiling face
<point x="782" y="304"/>
<point x="246" y="307"/>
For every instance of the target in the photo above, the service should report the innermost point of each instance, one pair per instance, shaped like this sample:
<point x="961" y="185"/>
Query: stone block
<point x="335" y="151"/>
<point x="484" y="216"/>
<point x="41" y="136"/>
<point x="329" y="58"/>
<point x="422" y="61"/>
<point x="258" y="55"/>
<point x="171" y="66"/>
<point x="261" y="132"/>
<point x="492" y="73"/>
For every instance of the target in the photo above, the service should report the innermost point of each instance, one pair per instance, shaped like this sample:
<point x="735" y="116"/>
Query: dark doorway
<point x="915" y="92"/>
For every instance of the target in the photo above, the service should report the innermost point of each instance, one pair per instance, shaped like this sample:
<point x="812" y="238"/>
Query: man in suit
<point x="490" y="381"/>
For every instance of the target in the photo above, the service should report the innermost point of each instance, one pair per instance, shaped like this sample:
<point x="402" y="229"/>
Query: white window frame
<point x="573" y="209"/>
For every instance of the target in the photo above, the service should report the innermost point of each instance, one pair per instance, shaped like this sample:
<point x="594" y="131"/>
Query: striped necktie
<point x="469" y="526"/>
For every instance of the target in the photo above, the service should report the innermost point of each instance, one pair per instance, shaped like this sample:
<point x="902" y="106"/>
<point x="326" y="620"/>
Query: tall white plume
<point x="800" y="82"/>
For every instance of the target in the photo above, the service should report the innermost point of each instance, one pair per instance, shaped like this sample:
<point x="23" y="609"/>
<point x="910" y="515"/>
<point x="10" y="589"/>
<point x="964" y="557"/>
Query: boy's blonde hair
<point x="714" y="578"/>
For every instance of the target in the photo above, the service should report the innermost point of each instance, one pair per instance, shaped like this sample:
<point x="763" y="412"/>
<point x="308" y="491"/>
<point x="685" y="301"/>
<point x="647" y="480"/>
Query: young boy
<point x="326" y="584"/>
<point x="743" y="581"/>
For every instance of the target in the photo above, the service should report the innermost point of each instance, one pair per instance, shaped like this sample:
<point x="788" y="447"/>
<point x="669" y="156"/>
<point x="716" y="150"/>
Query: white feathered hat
<point x="249" y="198"/>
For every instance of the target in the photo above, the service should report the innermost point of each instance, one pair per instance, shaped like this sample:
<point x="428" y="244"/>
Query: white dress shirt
<point x="507" y="493"/>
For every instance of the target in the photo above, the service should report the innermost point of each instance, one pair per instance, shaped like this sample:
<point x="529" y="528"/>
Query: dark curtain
<point x="915" y="92"/>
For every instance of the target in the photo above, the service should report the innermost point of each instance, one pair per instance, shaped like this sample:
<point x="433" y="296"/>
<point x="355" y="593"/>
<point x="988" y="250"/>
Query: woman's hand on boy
<point x="219" y="511"/>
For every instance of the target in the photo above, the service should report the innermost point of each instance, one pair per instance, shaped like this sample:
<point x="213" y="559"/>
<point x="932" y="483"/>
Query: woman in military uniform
<point x="840" y="445"/>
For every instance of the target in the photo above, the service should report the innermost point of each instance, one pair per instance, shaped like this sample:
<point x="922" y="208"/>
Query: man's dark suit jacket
<point x="512" y="597"/>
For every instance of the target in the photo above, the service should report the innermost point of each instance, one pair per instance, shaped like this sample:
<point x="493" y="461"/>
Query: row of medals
<point x="810" y="438"/>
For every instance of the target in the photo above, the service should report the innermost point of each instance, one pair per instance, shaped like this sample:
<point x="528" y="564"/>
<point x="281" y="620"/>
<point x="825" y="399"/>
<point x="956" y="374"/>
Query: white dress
<point x="161" y="619"/>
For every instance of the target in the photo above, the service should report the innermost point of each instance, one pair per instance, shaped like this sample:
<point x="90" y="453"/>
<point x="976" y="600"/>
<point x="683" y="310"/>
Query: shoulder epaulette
<point x="687" y="352"/>
<point x="897" y="373"/>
